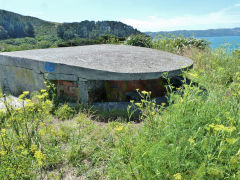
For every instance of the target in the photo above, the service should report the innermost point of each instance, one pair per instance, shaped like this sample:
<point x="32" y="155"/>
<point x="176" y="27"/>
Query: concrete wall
<point x="19" y="74"/>
<point x="14" y="80"/>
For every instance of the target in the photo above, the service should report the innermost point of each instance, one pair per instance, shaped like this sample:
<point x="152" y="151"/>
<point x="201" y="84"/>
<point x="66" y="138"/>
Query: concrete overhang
<point x="99" y="62"/>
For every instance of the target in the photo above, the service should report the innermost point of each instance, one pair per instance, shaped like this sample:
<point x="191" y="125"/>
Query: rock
<point x="12" y="101"/>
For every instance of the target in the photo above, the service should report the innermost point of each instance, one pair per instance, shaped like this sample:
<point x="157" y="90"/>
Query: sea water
<point x="229" y="42"/>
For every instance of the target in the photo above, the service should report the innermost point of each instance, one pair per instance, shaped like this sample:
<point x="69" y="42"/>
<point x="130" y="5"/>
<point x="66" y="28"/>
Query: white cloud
<point x="237" y="5"/>
<point x="220" y="19"/>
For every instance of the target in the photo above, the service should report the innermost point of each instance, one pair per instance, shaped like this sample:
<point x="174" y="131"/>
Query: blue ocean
<point x="229" y="42"/>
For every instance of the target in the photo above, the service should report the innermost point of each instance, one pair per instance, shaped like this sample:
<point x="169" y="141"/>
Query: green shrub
<point x="139" y="40"/>
<point x="64" y="112"/>
<point x="237" y="53"/>
<point x="179" y="44"/>
<point x="22" y="145"/>
<point x="195" y="137"/>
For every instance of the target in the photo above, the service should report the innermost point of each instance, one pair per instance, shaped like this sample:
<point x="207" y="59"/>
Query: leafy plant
<point x="64" y="112"/>
<point x="178" y="44"/>
<point x="139" y="40"/>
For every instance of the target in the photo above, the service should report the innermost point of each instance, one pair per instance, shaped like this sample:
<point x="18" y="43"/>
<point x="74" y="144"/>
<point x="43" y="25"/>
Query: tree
<point x="3" y="33"/>
<point x="93" y="30"/>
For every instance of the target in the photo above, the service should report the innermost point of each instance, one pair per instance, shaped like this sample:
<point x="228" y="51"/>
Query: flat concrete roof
<point x="116" y="59"/>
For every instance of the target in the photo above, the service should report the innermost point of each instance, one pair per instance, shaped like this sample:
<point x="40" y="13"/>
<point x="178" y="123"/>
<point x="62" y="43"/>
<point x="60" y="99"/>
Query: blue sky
<point x="145" y="15"/>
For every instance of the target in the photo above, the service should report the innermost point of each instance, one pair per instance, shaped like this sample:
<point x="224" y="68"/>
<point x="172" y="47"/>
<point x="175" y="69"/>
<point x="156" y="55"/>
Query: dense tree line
<point x="92" y="30"/>
<point x="19" y="32"/>
<point x="14" y="26"/>
<point x="3" y="33"/>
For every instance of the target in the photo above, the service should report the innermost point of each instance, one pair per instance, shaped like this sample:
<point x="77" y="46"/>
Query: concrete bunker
<point x="94" y="73"/>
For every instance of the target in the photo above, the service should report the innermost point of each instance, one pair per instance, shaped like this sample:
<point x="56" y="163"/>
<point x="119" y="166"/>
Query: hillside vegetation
<point x="195" y="137"/>
<point x="14" y="25"/>
<point x="92" y="30"/>
<point x="19" y="32"/>
<point x="199" y="33"/>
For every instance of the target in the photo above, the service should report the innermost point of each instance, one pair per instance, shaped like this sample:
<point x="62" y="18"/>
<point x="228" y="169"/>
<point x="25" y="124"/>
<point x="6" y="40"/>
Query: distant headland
<point x="199" y="33"/>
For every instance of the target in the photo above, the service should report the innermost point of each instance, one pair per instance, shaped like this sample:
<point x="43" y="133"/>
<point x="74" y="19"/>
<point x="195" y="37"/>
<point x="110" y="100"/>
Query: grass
<point x="195" y="137"/>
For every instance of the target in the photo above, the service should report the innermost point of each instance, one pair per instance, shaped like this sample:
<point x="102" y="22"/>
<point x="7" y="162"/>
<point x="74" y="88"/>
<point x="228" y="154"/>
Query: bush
<point x="64" y="112"/>
<point x="178" y="44"/>
<point x="237" y="53"/>
<point x="22" y="145"/>
<point x="139" y="40"/>
<point x="195" y="137"/>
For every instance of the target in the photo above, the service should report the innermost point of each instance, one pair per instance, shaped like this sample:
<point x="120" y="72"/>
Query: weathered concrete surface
<point x="88" y="68"/>
<point x="14" y="80"/>
<point x="99" y="62"/>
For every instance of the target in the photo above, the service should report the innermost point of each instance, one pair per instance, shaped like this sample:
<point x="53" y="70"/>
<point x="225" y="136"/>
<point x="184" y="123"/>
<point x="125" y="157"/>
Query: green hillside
<point x="199" y="33"/>
<point x="92" y="30"/>
<point x="14" y="25"/>
<point x="19" y="32"/>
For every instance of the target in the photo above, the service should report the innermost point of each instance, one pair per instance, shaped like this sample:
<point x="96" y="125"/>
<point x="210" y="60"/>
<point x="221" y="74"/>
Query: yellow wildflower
<point x="43" y="90"/>
<point x="25" y="92"/>
<point x="220" y="127"/>
<point x="119" y="128"/>
<point x="45" y="94"/>
<point x="33" y="148"/>
<point x="2" y="153"/>
<point x="191" y="140"/>
<point x="21" y="96"/>
<point x="3" y="132"/>
<point x="39" y="157"/>
<point x="40" y="96"/>
<point x="28" y="100"/>
<point x="181" y="100"/>
<point x="29" y="104"/>
<point x="42" y="132"/>
<point x="193" y="74"/>
<point x="177" y="176"/>
<point x="138" y="104"/>
<point x="144" y="92"/>
<point x="25" y="152"/>
<point x="20" y="147"/>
